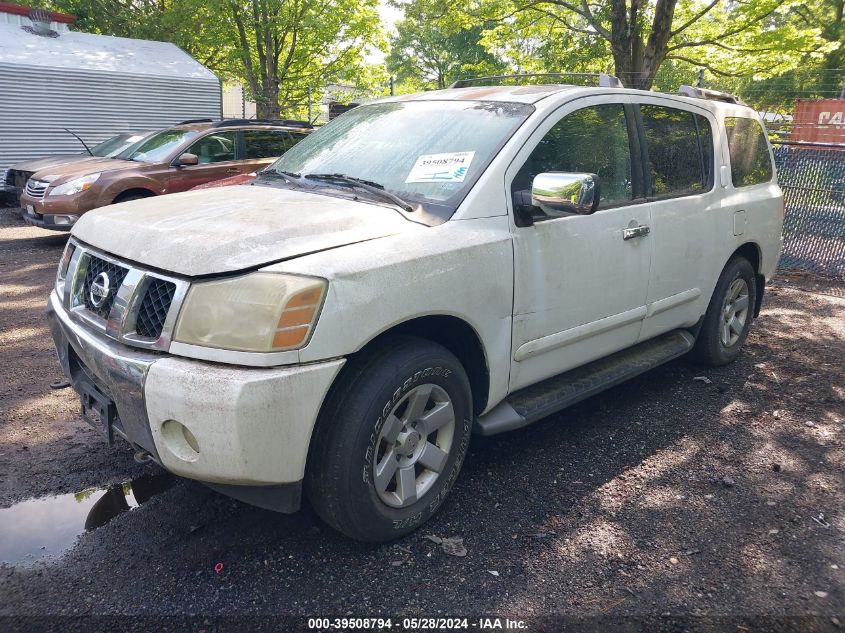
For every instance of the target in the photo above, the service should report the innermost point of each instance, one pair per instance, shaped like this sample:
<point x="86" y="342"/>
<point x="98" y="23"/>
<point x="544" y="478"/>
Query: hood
<point x="223" y="230"/>
<point x="83" y="168"/>
<point x="49" y="161"/>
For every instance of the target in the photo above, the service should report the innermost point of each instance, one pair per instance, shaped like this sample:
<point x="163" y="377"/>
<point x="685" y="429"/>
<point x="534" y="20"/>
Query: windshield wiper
<point x="369" y="186"/>
<point x="288" y="176"/>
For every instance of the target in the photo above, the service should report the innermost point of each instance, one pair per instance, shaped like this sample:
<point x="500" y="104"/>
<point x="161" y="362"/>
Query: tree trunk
<point x="267" y="104"/>
<point x="636" y="61"/>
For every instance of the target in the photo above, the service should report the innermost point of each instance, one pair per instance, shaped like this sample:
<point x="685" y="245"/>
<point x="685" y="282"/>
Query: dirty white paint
<point x="252" y="425"/>
<point x="541" y="299"/>
<point x="460" y="268"/>
<point x="232" y="228"/>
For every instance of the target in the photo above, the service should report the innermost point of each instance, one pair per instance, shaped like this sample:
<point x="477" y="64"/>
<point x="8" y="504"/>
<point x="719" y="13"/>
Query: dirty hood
<point x="216" y="231"/>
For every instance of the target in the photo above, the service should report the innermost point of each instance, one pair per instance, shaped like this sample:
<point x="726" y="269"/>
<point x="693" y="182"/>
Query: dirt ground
<point x="690" y="495"/>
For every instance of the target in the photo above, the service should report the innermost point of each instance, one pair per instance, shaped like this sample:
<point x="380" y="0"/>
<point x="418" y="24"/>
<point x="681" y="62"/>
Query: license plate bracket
<point x="94" y="401"/>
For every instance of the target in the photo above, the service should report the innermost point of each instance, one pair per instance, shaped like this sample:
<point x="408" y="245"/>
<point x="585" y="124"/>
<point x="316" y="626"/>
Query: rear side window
<point x="267" y="143"/>
<point x="750" y="161"/>
<point x="680" y="151"/>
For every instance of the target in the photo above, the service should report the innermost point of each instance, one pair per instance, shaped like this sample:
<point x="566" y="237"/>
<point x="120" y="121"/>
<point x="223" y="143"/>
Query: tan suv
<point x="174" y="160"/>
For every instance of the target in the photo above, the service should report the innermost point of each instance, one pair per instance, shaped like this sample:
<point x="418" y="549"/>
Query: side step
<point x="553" y="394"/>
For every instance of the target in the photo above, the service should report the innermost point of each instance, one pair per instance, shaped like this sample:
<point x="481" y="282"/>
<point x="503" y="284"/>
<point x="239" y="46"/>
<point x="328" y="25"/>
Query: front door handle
<point x="635" y="231"/>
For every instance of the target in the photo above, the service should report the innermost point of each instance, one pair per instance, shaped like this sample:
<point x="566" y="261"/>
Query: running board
<point x="553" y="394"/>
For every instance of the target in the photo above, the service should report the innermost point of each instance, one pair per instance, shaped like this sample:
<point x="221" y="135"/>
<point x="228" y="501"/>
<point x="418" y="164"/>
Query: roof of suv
<point x="537" y="92"/>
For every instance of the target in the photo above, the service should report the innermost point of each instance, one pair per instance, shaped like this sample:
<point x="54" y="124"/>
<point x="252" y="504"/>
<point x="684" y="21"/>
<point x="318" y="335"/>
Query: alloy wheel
<point x="413" y="446"/>
<point x="734" y="312"/>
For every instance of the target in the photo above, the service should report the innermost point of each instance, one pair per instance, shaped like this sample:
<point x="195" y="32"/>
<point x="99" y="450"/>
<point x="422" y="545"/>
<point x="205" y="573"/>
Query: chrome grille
<point x="140" y="306"/>
<point x="113" y="273"/>
<point x="154" y="308"/>
<point x="36" y="188"/>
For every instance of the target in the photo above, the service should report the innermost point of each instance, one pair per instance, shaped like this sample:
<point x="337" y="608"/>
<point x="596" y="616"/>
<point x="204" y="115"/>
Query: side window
<point x="750" y="161"/>
<point x="591" y="140"/>
<point x="680" y="151"/>
<point x="267" y="143"/>
<point x="215" y="148"/>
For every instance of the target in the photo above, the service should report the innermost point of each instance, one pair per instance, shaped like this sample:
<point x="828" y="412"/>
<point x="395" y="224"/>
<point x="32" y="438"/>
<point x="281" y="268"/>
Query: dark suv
<point x="173" y="160"/>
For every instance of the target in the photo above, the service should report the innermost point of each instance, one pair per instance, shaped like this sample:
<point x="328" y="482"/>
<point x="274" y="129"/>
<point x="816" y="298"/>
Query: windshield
<point x="116" y="144"/>
<point x="158" y="147"/>
<point x="424" y="151"/>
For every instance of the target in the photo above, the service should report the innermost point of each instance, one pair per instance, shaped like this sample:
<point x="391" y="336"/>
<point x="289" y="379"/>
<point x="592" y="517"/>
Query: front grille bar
<point x="36" y="188"/>
<point x="120" y="321"/>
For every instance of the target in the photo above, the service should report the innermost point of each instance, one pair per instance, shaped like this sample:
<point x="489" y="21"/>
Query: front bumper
<point x="54" y="222"/>
<point x="251" y="427"/>
<point x="58" y="213"/>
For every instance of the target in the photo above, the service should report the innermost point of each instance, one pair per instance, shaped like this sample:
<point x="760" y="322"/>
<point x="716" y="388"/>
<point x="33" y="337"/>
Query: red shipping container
<point x="819" y="121"/>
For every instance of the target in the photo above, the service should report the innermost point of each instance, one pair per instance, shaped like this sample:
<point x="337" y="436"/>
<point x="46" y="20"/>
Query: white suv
<point x="421" y="268"/>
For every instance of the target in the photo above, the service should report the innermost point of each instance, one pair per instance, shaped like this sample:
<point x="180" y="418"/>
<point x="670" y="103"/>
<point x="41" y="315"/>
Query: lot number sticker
<point x="449" y="167"/>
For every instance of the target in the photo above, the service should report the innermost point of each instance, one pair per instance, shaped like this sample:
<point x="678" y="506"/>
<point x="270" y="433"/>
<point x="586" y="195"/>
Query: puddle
<point x="44" y="528"/>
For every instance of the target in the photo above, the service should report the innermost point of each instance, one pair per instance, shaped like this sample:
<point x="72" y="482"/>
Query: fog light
<point x="65" y="220"/>
<point x="180" y="441"/>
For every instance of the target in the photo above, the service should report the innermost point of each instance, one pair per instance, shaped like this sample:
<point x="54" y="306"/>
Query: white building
<point x="236" y="105"/>
<point x="52" y="78"/>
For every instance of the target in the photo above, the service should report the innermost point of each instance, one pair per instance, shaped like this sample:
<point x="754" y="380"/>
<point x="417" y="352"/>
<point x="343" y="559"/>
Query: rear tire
<point x="729" y="315"/>
<point x="390" y="440"/>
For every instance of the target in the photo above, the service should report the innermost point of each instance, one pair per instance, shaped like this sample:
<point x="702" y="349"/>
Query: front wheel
<point x="391" y="439"/>
<point x="729" y="315"/>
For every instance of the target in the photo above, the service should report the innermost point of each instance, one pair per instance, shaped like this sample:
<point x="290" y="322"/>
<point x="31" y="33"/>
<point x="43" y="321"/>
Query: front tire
<point x="390" y="440"/>
<point x="128" y="197"/>
<point x="729" y="315"/>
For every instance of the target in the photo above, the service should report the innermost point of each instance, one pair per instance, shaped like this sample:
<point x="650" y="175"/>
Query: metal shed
<point x="95" y="85"/>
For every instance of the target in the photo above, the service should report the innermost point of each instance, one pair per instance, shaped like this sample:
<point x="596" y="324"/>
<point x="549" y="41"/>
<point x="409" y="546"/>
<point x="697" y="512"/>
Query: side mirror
<point x="560" y="194"/>
<point x="186" y="159"/>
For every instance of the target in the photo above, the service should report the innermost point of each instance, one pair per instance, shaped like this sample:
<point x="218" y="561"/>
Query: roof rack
<point x="604" y="80"/>
<point x="189" y="121"/>
<point x="712" y="95"/>
<point x="284" y="122"/>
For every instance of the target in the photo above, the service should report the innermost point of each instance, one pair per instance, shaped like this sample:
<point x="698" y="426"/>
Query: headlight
<point x="74" y="186"/>
<point x="259" y="312"/>
<point x="61" y="274"/>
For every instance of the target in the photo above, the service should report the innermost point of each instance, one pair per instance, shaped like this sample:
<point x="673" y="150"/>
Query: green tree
<point x="434" y="46"/>
<point x="284" y="46"/>
<point x="638" y="36"/>
<point x="276" y="48"/>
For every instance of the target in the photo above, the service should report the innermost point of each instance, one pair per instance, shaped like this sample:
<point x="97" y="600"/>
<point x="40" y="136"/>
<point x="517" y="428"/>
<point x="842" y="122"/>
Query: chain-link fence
<point x="812" y="177"/>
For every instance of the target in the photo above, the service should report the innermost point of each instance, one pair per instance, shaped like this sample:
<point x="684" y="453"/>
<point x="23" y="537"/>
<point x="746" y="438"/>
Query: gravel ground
<point x="685" y="493"/>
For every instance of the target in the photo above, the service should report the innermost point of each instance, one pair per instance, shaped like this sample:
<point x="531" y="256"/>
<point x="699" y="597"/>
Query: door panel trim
<point x="578" y="333"/>
<point x="673" y="301"/>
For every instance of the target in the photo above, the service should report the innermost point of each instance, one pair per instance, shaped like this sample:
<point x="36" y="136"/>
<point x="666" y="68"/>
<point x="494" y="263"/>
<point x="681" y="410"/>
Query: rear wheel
<point x="390" y="440"/>
<point x="728" y="316"/>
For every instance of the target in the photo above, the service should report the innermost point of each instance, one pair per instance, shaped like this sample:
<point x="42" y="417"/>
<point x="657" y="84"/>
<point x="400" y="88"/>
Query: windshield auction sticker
<point x="449" y="167"/>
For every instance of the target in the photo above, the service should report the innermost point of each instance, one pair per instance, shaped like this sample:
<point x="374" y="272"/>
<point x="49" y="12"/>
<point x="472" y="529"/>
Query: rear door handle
<point x="635" y="231"/>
